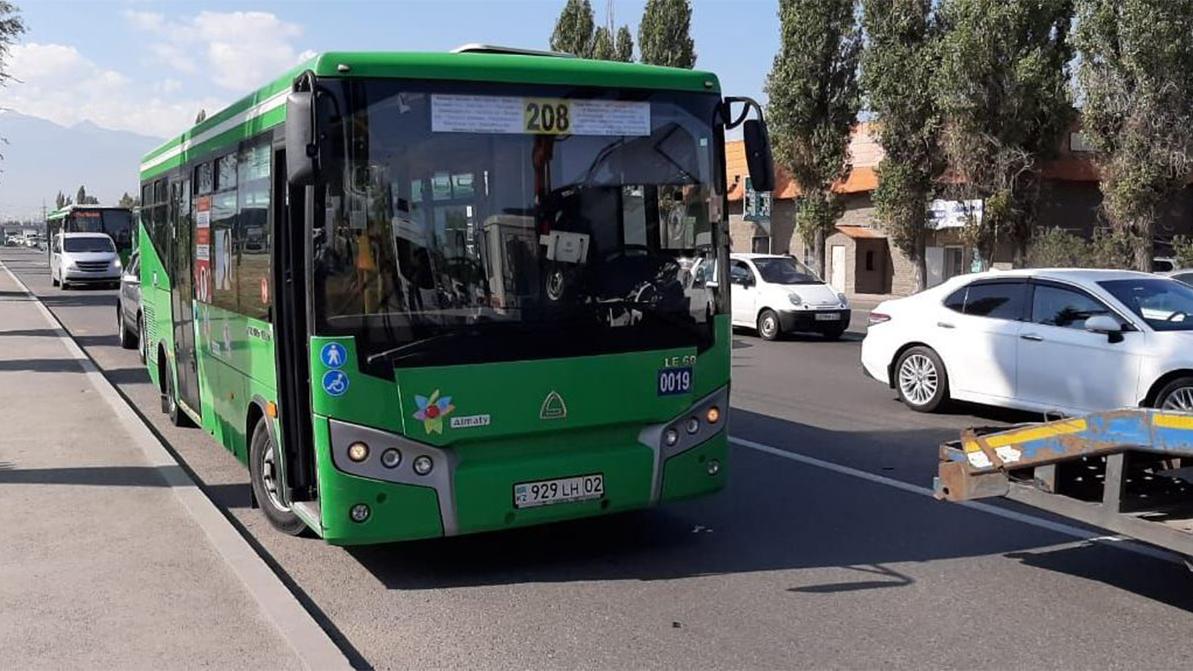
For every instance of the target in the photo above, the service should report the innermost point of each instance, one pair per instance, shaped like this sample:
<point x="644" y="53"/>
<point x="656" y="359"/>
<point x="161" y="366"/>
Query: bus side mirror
<point x="302" y="151"/>
<point x="758" y="155"/>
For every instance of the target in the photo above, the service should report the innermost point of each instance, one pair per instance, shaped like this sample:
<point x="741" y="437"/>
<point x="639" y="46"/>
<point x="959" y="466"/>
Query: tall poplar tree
<point x="1003" y="88"/>
<point x="664" y="34"/>
<point x="812" y="108"/>
<point x="1136" y="80"/>
<point x="898" y="65"/>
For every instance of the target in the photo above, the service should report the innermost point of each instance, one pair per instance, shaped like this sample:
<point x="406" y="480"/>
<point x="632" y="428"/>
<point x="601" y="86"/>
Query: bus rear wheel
<point x="266" y="479"/>
<point x="177" y="416"/>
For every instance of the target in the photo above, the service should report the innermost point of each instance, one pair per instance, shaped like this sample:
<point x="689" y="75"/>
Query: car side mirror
<point x="1107" y="325"/>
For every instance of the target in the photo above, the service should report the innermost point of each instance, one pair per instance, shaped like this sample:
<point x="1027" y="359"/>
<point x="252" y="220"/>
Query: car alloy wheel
<point x="918" y="379"/>
<point x="1179" y="399"/>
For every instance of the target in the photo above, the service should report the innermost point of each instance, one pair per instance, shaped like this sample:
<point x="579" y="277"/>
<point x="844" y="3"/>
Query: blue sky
<point x="148" y="66"/>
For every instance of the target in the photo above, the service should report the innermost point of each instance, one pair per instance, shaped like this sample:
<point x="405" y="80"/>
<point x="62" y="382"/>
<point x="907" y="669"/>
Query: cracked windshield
<point x="547" y="223"/>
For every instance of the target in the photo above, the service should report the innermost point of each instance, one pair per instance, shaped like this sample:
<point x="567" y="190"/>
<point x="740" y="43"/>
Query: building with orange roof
<point x="858" y="256"/>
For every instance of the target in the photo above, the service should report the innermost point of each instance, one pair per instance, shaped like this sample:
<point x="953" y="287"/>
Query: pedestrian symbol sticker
<point x="333" y="355"/>
<point x="335" y="382"/>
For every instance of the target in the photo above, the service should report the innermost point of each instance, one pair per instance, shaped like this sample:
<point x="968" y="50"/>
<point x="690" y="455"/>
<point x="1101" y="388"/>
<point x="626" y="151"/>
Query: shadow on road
<point x="47" y="333"/>
<point x="774" y="515"/>
<point x="79" y="299"/>
<point x="42" y="365"/>
<point x="123" y="376"/>
<point x="101" y="476"/>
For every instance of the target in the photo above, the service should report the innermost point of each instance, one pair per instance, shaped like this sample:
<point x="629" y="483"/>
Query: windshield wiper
<point x="393" y="352"/>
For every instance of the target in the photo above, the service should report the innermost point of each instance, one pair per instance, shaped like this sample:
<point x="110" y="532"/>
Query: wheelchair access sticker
<point x="335" y="382"/>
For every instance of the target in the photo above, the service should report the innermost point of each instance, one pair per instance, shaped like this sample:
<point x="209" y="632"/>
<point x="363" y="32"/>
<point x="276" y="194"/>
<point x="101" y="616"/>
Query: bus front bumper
<point x="472" y="488"/>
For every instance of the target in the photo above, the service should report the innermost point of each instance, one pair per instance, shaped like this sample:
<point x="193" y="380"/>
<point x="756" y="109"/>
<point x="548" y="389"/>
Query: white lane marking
<point x="313" y="647"/>
<point x="1055" y="527"/>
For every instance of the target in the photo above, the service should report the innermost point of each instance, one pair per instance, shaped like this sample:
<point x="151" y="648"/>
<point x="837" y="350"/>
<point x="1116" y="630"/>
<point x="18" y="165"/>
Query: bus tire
<point x="176" y="414"/>
<point x="266" y="481"/>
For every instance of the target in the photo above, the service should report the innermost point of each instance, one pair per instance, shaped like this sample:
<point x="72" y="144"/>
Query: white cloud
<point x="236" y="50"/>
<point x="57" y="82"/>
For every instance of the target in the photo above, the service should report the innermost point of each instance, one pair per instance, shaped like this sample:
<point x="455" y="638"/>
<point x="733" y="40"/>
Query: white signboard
<point x="954" y="213"/>
<point x="538" y="116"/>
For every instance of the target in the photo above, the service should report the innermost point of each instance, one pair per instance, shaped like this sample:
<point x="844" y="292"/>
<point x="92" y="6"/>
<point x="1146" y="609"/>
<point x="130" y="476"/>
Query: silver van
<point x="84" y="258"/>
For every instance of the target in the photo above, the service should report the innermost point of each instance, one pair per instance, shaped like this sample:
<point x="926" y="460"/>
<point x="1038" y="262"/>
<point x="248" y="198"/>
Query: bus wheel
<point x="266" y="476"/>
<point x="170" y="403"/>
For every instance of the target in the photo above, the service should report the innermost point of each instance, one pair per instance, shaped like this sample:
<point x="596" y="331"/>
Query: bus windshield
<point x="117" y="223"/>
<point x="476" y="223"/>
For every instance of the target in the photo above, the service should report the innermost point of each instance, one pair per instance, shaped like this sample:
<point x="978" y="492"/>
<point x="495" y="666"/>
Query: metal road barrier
<point x="1128" y="471"/>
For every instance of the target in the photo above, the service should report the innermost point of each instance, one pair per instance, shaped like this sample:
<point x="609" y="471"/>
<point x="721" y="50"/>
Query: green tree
<point x="663" y="34"/>
<point x="11" y="27"/>
<point x="1004" y="95"/>
<point x="899" y="64"/>
<point x="623" y="46"/>
<point x="81" y="196"/>
<point x="127" y="201"/>
<point x="574" y="29"/>
<point x="1136" y="80"/>
<point x="813" y="105"/>
<point x="602" y="45"/>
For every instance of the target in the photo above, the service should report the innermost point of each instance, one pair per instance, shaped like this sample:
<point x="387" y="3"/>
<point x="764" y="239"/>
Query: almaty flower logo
<point x="431" y="411"/>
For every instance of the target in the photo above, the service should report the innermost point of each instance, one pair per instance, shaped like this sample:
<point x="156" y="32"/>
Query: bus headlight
<point x="358" y="452"/>
<point x="693" y="425"/>
<point x="671" y="437"/>
<point x="713" y="415"/>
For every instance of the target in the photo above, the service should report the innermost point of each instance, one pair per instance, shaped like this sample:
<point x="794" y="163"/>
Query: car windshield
<point x="88" y="244"/>
<point x="1166" y="305"/>
<point x="785" y="270"/>
<point x="536" y="222"/>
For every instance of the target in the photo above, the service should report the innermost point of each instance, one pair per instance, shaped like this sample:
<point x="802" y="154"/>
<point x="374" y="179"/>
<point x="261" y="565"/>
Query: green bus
<point x="429" y="294"/>
<point x="117" y="222"/>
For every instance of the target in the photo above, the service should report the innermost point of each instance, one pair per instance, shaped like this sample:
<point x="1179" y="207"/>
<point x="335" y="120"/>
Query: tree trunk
<point x="920" y="262"/>
<point x="818" y="253"/>
<point x="1019" y="256"/>
<point x="1144" y="248"/>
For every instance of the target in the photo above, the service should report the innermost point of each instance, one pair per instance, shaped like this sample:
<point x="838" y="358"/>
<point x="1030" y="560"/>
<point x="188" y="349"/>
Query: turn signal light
<point x="713" y="415"/>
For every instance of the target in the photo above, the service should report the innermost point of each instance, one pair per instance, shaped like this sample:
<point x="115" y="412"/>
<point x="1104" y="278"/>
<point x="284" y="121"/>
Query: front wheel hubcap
<point x="1181" y="399"/>
<point x="918" y="379"/>
<point x="768" y="326"/>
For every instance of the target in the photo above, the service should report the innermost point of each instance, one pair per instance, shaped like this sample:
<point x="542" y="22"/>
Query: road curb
<point x="302" y="633"/>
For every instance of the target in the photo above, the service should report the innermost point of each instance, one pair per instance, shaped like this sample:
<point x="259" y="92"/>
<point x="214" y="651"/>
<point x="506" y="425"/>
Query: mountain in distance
<point x="42" y="158"/>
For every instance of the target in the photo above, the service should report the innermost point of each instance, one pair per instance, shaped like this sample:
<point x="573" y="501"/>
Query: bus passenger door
<point x="182" y="294"/>
<point x="291" y="218"/>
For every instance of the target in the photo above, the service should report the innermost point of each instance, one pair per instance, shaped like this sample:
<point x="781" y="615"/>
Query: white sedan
<point x="1063" y="341"/>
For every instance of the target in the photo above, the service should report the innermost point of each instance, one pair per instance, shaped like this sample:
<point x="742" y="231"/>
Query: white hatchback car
<point x="1064" y="341"/>
<point x="778" y="294"/>
<point x="84" y="258"/>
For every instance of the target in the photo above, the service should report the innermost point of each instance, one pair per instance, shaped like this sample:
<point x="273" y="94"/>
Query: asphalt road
<point x="824" y="551"/>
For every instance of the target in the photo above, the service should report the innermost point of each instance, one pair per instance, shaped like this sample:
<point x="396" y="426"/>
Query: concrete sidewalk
<point x="104" y="561"/>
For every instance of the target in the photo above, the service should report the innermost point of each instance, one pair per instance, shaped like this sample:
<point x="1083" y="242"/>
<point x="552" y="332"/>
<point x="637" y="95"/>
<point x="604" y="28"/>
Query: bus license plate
<point x="563" y="490"/>
<point x="827" y="316"/>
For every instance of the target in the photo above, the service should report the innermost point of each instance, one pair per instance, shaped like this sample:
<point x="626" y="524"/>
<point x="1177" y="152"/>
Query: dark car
<point x="128" y="306"/>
